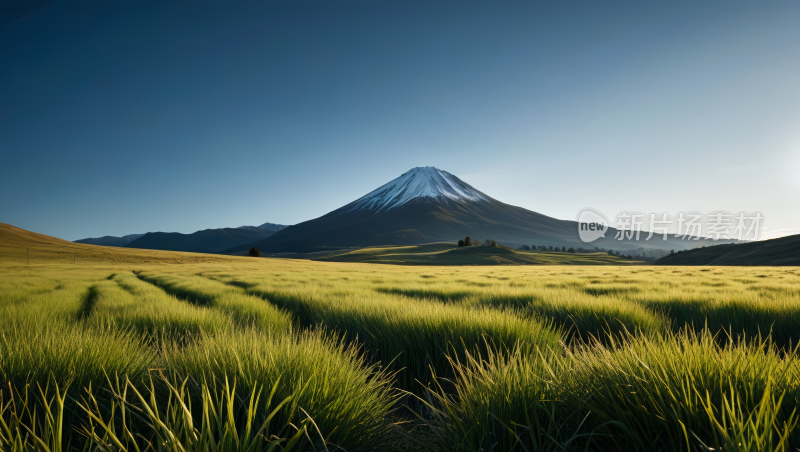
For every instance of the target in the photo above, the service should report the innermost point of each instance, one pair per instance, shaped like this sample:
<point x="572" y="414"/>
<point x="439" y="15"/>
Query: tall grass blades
<point x="672" y="392"/>
<point x="410" y="336"/>
<point x="223" y="421"/>
<point x="35" y="349"/>
<point x="32" y="419"/>
<point x="126" y="302"/>
<point x="245" y="310"/>
<point x="349" y="400"/>
<point x="507" y="402"/>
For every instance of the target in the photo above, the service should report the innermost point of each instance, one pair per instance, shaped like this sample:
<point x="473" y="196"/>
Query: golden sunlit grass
<point x="450" y="254"/>
<point x="495" y="358"/>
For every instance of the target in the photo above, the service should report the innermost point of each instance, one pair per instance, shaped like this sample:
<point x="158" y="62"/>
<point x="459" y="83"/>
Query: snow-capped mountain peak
<point x="420" y="182"/>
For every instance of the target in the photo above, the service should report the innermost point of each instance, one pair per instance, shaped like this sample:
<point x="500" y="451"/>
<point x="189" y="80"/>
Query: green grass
<point x="412" y="337"/>
<point x="671" y="389"/>
<point x="673" y="392"/>
<point x="515" y="357"/>
<point x="450" y="254"/>
<point x="349" y="400"/>
<point x="244" y="310"/>
<point x="125" y="301"/>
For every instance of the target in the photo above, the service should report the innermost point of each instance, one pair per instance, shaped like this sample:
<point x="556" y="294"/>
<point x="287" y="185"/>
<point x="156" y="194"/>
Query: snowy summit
<point x="420" y="182"/>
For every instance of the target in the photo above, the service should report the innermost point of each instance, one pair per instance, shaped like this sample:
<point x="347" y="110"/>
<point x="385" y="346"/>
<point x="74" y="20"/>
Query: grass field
<point x="177" y="351"/>
<point x="449" y="254"/>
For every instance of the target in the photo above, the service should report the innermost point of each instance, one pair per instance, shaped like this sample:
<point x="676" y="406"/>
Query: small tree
<point x="610" y="252"/>
<point x="255" y="252"/>
<point x="571" y="250"/>
<point x="460" y="243"/>
<point x="671" y="251"/>
<point x="564" y="249"/>
<point x="467" y="241"/>
<point x="493" y="244"/>
<point x="551" y="248"/>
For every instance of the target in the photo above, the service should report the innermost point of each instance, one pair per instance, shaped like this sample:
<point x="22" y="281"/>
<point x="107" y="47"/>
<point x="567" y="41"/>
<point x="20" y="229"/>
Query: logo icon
<point x="592" y="224"/>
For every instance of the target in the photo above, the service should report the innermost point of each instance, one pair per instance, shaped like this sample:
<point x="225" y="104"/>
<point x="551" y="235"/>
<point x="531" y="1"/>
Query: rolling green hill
<point x="782" y="251"/>
<point x="450" y="254"/>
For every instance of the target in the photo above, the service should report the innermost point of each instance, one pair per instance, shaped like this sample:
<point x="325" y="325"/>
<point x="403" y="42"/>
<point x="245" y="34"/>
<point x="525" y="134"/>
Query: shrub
<point x="255" y="252"/>
<point x="460" y="243"/>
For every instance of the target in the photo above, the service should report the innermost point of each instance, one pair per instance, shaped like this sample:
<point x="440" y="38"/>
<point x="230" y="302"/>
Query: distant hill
<point x="781" y="251"/>
<point x="451" y="254"/>
<point x="12" y="236"/>
<point x="109" y="240"/>
<point x="19" y="246"/>
<point x="206" y="241"/>
<point x="427" y="205"/>
<point x="272" y="227"/>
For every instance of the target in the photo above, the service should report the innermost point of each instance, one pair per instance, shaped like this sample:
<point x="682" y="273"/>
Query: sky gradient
<point x="126" y="117"/>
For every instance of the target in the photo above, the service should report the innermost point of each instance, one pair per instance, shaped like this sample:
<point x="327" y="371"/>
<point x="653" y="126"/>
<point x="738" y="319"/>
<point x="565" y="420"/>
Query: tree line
<point x="488" y="242"/>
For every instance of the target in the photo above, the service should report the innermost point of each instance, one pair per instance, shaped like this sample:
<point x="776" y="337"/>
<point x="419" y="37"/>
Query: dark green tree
<point x="571" y="250"/>
<point x="460" y="243"/>
<point x="255" y="252"/>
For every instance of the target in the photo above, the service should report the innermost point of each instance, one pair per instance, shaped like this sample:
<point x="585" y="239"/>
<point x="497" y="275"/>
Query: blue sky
<point x="125" y="117"/>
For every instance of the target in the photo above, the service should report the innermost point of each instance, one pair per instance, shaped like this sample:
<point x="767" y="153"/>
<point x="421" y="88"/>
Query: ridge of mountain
<point x="192" y="244"/>
<point x="265" y="227"/>
<point x="205" y="241"/>
<point x="108" y="240"/>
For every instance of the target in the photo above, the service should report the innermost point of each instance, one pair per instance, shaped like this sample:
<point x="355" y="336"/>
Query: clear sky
<point x="122" y="117"/>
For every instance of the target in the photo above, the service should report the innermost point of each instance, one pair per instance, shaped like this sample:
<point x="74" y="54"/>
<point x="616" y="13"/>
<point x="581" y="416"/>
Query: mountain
<point x="427" y="205"/>
<point x="780" y="251"/>
<point x="272" y="227"/>
<point x="206" y="241"/>
<point x="110" y="240"/>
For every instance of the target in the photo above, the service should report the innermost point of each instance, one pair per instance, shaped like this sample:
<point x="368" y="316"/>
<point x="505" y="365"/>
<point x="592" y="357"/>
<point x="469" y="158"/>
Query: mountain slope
<point x="272" y="227"/>
<point x="781" y="251"/>
<point x="206" y="241"/>
<point x="19" y="246"/>
<point x="429" y="205"/>
<point x="109" y="240"/>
